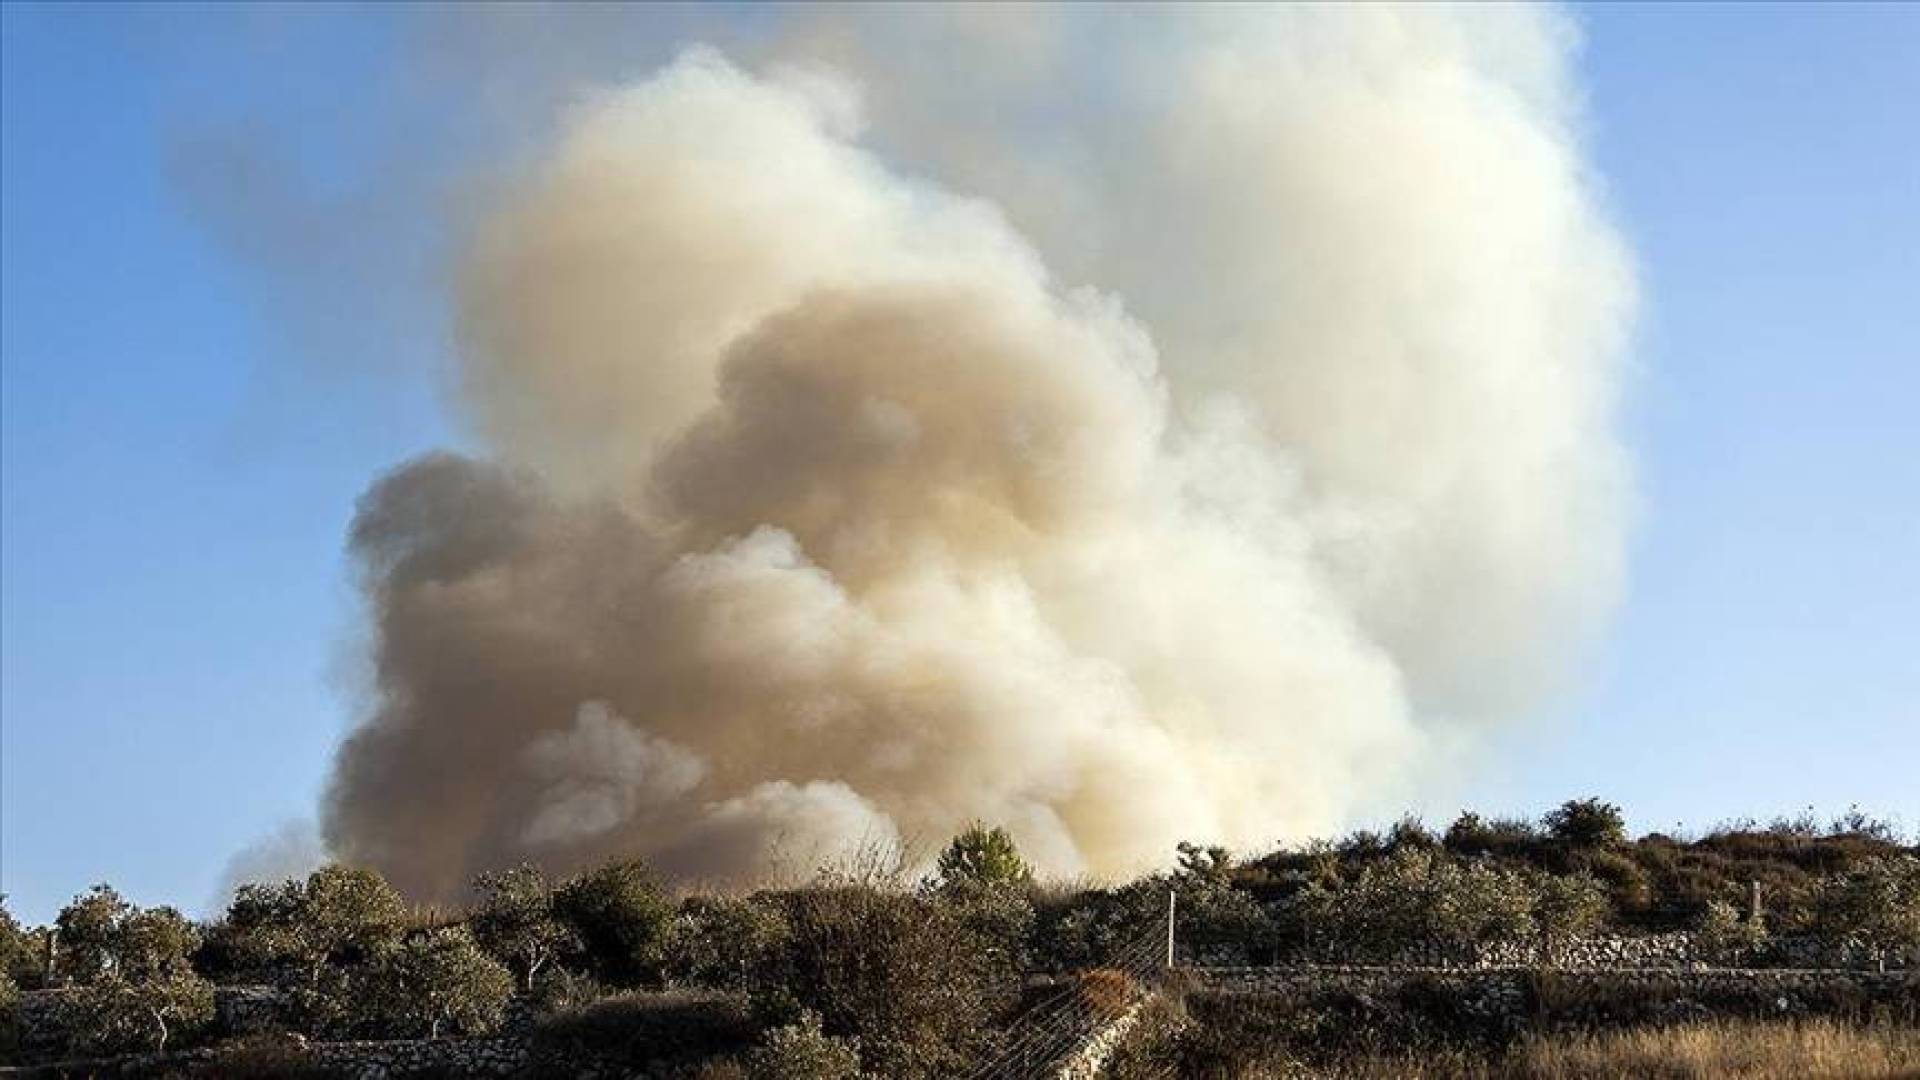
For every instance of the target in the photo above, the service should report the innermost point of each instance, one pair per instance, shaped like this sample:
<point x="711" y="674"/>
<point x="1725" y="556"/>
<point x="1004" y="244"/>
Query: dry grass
<point x="1717" y="1050"/>
<point x="1809" y="1049"/>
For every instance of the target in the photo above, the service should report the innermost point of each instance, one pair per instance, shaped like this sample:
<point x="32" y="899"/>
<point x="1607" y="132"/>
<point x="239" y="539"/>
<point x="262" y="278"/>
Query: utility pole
<point x="1170" y="898"/>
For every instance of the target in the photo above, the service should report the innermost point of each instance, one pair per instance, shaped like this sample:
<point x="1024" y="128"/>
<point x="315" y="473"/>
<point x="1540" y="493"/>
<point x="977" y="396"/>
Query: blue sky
<point x="184" y="427"/>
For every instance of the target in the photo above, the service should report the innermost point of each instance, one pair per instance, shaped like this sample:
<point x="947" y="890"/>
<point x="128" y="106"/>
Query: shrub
<point x="1090" y="927"/>
<point x="1724" y="935"/>
<point x="265" y="1056"/>
<point x="1627" y="884"/>
<point x="557" y="990"/>
<point x="801" y="1051"/>
<point x="1000" y="918"/>
<point x="642" y="1029"/>
<point x="907" y="976"/>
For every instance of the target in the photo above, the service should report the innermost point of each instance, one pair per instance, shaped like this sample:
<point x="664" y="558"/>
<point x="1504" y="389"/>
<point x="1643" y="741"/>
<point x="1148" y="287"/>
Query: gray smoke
<point x="1222" y="441"/>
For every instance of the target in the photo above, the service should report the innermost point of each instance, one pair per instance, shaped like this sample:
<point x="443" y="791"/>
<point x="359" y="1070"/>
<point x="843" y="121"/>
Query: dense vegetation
<point x="879" y="973"/>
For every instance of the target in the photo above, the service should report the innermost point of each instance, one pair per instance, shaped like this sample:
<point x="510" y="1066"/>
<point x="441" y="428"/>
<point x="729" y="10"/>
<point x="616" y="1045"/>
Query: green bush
<point x="801" y="1051"/>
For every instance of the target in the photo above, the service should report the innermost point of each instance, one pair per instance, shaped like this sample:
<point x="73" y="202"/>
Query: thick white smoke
<point x="819" y="512"/>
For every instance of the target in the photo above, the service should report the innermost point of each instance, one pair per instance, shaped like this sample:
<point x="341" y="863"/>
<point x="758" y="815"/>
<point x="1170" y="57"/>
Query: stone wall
<point x="1089" y="1059"/>
<point x="1681" y="949"/>
<point x="355" y="1060"/>
<point x="1510" y="996"/>
<point x="237" y="1010"/>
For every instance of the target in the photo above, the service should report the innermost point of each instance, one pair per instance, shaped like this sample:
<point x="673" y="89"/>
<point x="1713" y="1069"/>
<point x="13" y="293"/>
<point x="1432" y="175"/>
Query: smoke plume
<point x="1127" y="427"/>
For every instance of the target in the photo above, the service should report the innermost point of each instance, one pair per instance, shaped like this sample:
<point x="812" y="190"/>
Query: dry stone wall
<point x="350" y="1060"/>
<point x="1679" y="949"/>
<point x="1509" y="996"/>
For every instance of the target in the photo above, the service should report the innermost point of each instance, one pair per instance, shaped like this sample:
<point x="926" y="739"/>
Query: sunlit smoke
<point x="1199" y="439"/>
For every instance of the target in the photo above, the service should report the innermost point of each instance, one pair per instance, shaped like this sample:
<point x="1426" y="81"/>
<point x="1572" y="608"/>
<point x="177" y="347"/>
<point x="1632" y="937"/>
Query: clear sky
<point x="186" y="428"/>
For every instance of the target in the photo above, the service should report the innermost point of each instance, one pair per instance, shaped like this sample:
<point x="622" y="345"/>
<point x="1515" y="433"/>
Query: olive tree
<point x="724" y="942"/>
<point x="1568" y="906"/>
<point x="434" y="981"/>
<point x="1419" y="897"/>
<point x="1874" y="905"/>
<point x="116" y="1015"/>
<point x="620" y="916"/>
<point x="137" y="984"/>
<point x="515" y="921"/>
<point x="19" y="951"/>
<point x="337" y="916"/>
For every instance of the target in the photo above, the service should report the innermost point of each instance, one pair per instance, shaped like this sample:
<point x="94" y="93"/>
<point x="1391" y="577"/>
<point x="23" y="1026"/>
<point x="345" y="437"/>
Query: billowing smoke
<point x="1127" y="427"/>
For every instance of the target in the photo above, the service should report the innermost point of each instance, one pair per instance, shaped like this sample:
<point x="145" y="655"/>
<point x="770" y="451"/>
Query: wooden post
<point x="1170" y="897"/>
<point x="1753" y="903"/>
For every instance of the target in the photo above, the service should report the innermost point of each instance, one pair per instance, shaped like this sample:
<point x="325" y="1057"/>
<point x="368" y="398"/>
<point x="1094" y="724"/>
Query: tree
<point x="1875" y="905"/>
<point x="104" y="937"/>
<point x="89" y="928"/>
<point x="436" y="979"/>
<point x="620" y="917"/>
<point x="1587" y="823"/>
<point x="9" y="1017"/>
<point x="21" y="950"/>
<point x="337" y="916"/>
<point x="117" y="1015"/>
<point x="1568" y="906"/>
<point x="724" y="942"/>
<point x="1417" y="897"/>
<point x="1468" y="835"/>
<point x="984" y="856"/>
<point x="1723" y="934"/>
<point x="515" y="921"/>
<point x="138" y="986"/>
